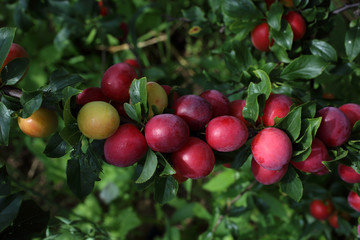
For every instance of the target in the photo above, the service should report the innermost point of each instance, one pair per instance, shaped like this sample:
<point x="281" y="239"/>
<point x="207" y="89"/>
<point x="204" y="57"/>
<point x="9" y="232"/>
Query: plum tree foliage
<point x="216" y="119"/>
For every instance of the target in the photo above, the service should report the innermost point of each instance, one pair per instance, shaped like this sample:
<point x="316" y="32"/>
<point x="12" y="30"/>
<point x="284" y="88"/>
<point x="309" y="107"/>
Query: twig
<point x="345" y="7"/>
<point x="236" y="91"/>
<point x="12" y="91"/>
<point x="229" y="204"/>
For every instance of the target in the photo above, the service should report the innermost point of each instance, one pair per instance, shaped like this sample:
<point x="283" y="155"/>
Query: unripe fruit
<point x="352" y="112"/>
<point x="260" y="37"/>
<point x="98" y="120"/>
<point x="297" y="24"/>
<point x="271" y="148"/>
<point x="265" y="176"/>
<point x="166" y="133"/>
<point x="277" y="105"/>
<point x="226" y="133"/>
<point x="125" y="147"/>
<point x="335" y="128"/>
<point x="116" y="81"/>
<point x="313" y="163"/>
<point x="42" y="123"/>
<point x="354" y="201"/>
<point x="218" y="101"/>
<point x="156" y="96"/>
<point x="321" y="210"/>
<point x="348" y="174"/>
<point x="91" y="94"/>
<point x="195" y="110"/>
<point x="236" y="108"/>
<point x="194" y="160"/>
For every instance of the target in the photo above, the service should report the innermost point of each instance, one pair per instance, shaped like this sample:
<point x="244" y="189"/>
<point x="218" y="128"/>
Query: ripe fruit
<point x="218" y="101"/>
<point x="133" y="62"/>
<point x="354" y="200"/>
<point x="194" y="160"/>
<point x="221" y="138"/>
<point x="166" y="133"/>
<point x="124" y="31"/>
<point x="277" y="105"/>
<point x="320" y="209"/>
<point x="236" y="108"/>
<point x="333" y="220"/>
<point x="335" y="128"/>
<point x="98" y="120"/>
<point x="116" y="81"/>
<point x="42" y="123"/>
<point x="297" y="24"/>
<point x="16" y="51"/>
<point x="179" y="178"/>
<point x="156" y="96"/>
<point x="125" y="147"/>
<point x="271" y="148"/>
<point x="103" y="10"/>
<point x="260" y="37"/>
<point x="91" y="94"/>
<point x="313" y="163"/>
<point x="348" y="174"/>
<point x="195" y="110"/>
<point x="286" y="3"/>
<point x="174" y="94"/>
<point x="352" y="112"/>
<point x="265" y="176"/>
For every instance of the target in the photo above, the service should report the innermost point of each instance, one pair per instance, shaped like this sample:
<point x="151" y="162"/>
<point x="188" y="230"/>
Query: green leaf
<point x="138" y="93"/>
<point x="284" y="36"/>
<point x="31" y="101"/>
<point x="4" y="182"/>
<point x="71" y="134"/>
<point x="9" y="208"/>
<point x="56" y="147"/>
<point x="280" y="53"/>
<point x="274" y="16"/>
<point x="257" y="95"/>
<point x="5" y="124"/>
<point x="168" y="170"/>
<point x="14" y="71"/>
<point x="243" y="155"/>
<point x="149" y="167"/>
<point x="242" y="55"/>
<point x="221" y="181"/>
<point x="324" y="50"/>
<point x="7" y="35"/>
<point x="356" y="127"/>
<point x="194" y="14"/>
<point x="165" y="189"/>
<point x="291" y="123"/>
<point x="131" y="112"/>
<point x="352" y="42"/>
<point x="291" y="184"/>
<point x="61" y="79"/>
<point x="67" y="114"/>
<point x="241" y="9"/>
<point x="304" y="67"/>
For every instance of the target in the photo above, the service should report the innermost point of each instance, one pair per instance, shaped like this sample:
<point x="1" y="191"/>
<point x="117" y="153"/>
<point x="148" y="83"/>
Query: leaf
<point x="67" y="114"/>
<point x="257" y="92"/>
<point x="284" y="36"/>
<point x="243" y="55"/>
<point x="352" y="42"/>
<point x="291" y="123"/>
<point x="5" y="124"/>
<point x="241" y="9"/>
<point x="9" y="208"/>
<point x="194" y="14"/>
<point x="149" y="167"/>
<point x="168" y="170"/>
<point x="274" y="16"/>
<point x="14" y="71"/>
<point x="4" y="182"/>
<point x="138" y="93"/>
<point x="304" y="67"/>
<point x="324" y="50"/>
<point x="71" y="134"/>
<point x="7" y="35"/>
<point x="31" y="101"/>
<point x="243" y="155"/>
<point x="220" y="182"/>
<point x="291" y="184"/>
<point x="280" y="53"/>
<point x="165" y="189"/>
<point x="56" y="147"/>
<point x="131" y="112"/>
<point x="61" y="79"/>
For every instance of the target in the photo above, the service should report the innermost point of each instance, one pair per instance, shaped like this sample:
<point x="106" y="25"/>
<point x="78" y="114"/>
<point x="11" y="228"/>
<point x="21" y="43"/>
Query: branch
<point x="236" y="91"/>
<point x="234" y="200"/>
<point x="345" y="7"/>
<point x="12" y="91"/>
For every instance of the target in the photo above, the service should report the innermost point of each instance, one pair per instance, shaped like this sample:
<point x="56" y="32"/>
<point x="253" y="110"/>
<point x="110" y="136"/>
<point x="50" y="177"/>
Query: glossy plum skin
<point x="42" y="123"/>
<point x="125" y="147"/>
<point x="265" y="176"/>
<point x="218" y="101"/>
<point x="219" y="136"/>
<point x="133" y="62"/>
<point x="348" y="174"/>
<point x="16" y="51"/>
<point x="98" y="120"/>
<point x="333" y="220"/>
<point x="174" y="94"/>
<point x="166" y="133"/>
<point x="313" y="163"/>
<point x="91" y="94"/>
<point x="277" y="105"/>
<point x="195" y="110"/>
<point x="116" y="81"/>
<point x="194" y="160"/>
<point x="271" y="148"/>
<point x="335" y="128"/>
<point x="354" y="201"/>
<point x="236" y="108"/>
<point x="351" y="111"/>
<point x="260" y="37"/>
<point x="297" y="24"/>
<point x="156" y="96"/>
<point x="320" y="209"/>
